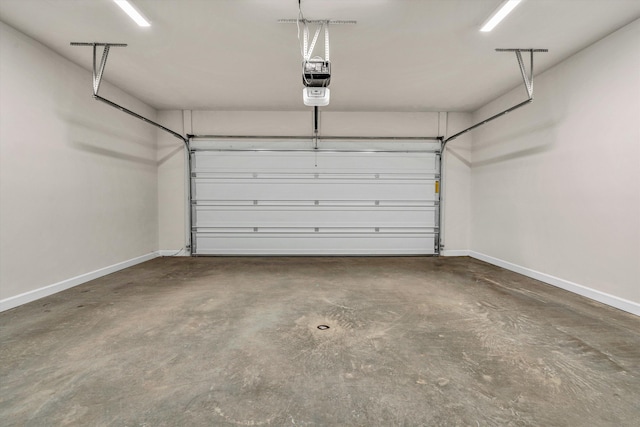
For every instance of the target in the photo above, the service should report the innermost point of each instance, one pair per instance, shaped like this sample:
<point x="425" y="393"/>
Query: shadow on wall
<point x="109" y="141"/>
<point x="170" y="154"/>
<point x="522" y="143"/>
<point x="460" y="157"/>
<point x="94" y="149"/>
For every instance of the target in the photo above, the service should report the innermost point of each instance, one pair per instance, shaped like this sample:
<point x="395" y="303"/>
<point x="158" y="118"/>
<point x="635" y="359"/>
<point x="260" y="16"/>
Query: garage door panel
<point x="252" y="162"/>
<point x="314" y="189"/>
<point x="316" y="162"/>
<point x="316" y="175"/>
<point x="306" y="203"/>
<point x="313" y="216"/>
<point x="314" y="244"/>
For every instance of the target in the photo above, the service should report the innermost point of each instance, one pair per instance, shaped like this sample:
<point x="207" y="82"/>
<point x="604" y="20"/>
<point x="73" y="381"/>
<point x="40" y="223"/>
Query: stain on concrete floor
<point x="234" y="341"/>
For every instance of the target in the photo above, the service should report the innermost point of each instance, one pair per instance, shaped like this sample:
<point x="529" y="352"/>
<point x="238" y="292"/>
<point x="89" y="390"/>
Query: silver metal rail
<point x="309" y="150"/>
<point x="381" y="138"/>
<point x="315" y="139"/>
<point x="322" y="138"/>
<point x="185" y="140"/>
<point x="469" y="129"/>
<point x="98" y="72"/>
<point x="262" y="137"/>
<point x="528" y="83"/>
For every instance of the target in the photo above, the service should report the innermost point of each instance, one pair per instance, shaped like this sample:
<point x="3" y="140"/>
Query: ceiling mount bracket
<point x="98" y="72"/>
<point x="527" y="78"/>
<point x="318" y="21"/>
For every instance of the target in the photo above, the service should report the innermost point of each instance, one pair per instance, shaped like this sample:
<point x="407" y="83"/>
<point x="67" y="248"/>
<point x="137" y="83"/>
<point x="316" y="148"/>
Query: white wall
<point x="172" y="181"/>
<point x="171" y="193"/>
<point x="456" y="191"/>
<point x="556" y="184"/>
<point x="78" y="179"/>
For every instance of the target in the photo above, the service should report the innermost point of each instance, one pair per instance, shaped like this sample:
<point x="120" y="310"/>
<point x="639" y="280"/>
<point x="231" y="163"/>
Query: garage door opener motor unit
<point x="316" y="71"/>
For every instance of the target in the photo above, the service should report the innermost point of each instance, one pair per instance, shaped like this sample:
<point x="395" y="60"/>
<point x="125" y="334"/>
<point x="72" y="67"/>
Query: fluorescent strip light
<point x="500" y="13"/>
<point x="133" y="13"/>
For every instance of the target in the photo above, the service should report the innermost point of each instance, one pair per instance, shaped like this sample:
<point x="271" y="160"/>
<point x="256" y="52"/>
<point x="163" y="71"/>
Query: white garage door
<point x="314" y="203"/>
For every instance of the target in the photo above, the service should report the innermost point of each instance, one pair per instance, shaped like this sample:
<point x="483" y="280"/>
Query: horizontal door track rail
<point x="528" y="84"/>
<point x="315" y="138"/>
<point x="98" y="72"/>
<point x="307" y="150"/>
<point x="138" y="116"/>
<point x="321" y="138"/>
<point x="212" y="143"/>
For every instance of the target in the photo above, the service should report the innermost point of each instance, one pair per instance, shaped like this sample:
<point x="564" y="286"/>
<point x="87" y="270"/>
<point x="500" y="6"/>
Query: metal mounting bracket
<point x="318" y="21"/>
<point x="528" y="84"/>
<point x="98" y="72"/>
<point x="527" y="78"/>
<point x="307" y="49"/>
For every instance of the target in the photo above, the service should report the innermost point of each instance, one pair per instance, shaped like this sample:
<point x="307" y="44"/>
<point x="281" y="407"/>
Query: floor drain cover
<point x="323" y="327"/>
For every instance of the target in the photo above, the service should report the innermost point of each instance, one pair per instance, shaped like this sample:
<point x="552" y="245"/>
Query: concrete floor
<point x="234" y="341"/>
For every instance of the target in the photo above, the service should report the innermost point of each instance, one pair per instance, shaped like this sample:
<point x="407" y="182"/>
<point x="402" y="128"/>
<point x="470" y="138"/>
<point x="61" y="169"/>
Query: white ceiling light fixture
<point x="133" y="13"/>
<point x="500" y="13"/>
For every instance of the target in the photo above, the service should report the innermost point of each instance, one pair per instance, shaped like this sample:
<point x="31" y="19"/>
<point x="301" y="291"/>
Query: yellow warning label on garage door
<point x="437" y="187"/>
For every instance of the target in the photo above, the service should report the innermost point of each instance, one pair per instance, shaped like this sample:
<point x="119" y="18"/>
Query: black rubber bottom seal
<point x="323" y="327"/>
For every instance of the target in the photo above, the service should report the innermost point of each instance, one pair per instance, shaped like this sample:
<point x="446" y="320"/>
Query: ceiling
<point x="402" y="55"/>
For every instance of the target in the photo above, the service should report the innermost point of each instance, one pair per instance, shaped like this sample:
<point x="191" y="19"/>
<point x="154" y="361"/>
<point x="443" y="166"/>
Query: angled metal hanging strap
<point x="97" y="77"/>
<point x="527" y="78"/>
<point x="313" y="42"/>
<point x="98" y="72"/>
<point x="326" y="41"/>
<point x="308" y="48"/>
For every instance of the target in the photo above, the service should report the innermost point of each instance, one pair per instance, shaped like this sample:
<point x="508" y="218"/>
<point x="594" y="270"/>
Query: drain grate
<point x="323" y="327"/>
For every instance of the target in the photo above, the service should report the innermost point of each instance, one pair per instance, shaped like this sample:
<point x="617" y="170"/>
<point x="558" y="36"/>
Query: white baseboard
<point x="611" y="300"/>
<point x="455" y="252"/>
<point x="15" y="301"/>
